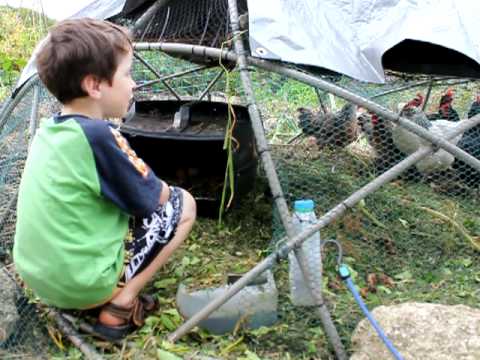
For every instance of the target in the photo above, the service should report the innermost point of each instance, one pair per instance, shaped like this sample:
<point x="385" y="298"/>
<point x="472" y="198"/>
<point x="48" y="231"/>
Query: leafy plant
<point x="21" y="31"/>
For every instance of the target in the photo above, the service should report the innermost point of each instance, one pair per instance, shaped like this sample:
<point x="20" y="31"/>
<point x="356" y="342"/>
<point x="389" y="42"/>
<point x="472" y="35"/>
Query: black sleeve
<point x="125" y="179"/>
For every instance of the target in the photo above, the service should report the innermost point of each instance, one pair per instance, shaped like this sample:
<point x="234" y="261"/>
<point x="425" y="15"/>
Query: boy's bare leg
<point x="126" y="295"/>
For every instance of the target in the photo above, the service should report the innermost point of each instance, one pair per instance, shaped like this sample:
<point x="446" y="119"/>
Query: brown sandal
<point x="133" y="315"/>
<point x="150" y="304"/>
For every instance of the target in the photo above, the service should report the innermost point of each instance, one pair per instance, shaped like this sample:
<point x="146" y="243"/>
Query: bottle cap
<point x="304" y="205"/>
<point x="344" y="272"/>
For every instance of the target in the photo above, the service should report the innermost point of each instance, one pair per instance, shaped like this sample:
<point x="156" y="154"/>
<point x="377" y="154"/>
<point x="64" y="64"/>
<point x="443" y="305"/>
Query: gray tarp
<point x="350" y="36"/>
<point x="346" y="36"/>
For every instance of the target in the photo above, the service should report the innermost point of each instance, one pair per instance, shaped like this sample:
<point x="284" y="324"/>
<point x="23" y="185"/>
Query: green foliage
<point x="20" y="31"/>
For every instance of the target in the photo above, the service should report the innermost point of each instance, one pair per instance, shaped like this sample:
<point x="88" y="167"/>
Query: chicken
<point x="409" y="142"/>
<point x="402" y="138"/>
<point x="364" y="120"/>
<point x="474" y="108"/>
<point x="330" y="129"/>
<point x="445" y="109"/>
<point x="379" y="135"/>
<point x="470" y="143"/>
<point x="381" y="138"/>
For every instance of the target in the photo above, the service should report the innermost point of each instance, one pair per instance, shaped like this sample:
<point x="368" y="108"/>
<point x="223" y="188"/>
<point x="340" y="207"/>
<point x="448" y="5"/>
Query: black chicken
<point x="474" y="108"/>
<point x="387" y="154"/>
<point x="330" y="129"/>
<point x="445" y="109"/>
<point x="365" y="123"/>
<point x="470" y="143"/>
<point x="379" y="135"/>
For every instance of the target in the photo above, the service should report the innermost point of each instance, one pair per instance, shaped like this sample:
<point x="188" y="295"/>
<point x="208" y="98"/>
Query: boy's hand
<point x="165" y="194"/>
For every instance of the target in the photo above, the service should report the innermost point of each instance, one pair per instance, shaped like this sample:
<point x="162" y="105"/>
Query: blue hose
<point x="345" y="275"/>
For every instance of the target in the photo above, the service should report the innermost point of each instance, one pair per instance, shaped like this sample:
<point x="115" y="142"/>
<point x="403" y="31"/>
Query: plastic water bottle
<point x="303" y="217"/>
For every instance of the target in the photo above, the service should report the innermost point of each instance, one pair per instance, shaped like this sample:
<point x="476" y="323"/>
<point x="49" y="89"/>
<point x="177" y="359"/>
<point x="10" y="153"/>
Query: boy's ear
<point x="91" y="85"/>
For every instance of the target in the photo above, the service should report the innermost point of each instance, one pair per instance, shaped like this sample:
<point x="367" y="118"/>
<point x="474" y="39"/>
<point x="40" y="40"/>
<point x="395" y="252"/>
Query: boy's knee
<point x="189" y="206"/>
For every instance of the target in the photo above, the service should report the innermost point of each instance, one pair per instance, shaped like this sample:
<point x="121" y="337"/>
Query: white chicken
<point x="409" y="142"/>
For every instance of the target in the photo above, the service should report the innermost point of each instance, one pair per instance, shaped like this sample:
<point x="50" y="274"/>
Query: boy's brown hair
<point x="77" y="48"/>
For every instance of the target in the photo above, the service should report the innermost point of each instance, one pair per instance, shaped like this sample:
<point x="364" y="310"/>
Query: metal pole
<point x="34" y="114"/>
<point x="153" y="70"/>
<point x="256" y="122"/>
<point x="147" y="16"/>
<point x="189" y="50"/>
<point x="67" y="329"/>
<point x="209" y="86"/>
<point x="15" y="99"/>
<point x="418" y="84"/>
<point x="322" y="222"/>
<point x="320" y="101"/>
<point x="427" y="96"/>
<point x="316" y="291"/>
<point x="172" y="76"/>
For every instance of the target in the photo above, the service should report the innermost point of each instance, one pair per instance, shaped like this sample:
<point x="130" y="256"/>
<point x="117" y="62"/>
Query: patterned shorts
<point x="148" y="236"/>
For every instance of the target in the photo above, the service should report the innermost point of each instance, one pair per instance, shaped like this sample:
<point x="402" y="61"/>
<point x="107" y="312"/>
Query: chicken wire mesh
<point x="414" y="239"/>
<point x="23" y="331"/>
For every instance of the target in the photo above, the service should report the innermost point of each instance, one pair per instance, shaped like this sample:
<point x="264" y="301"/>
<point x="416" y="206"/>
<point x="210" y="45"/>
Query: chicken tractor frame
<point x="408" y="144"/>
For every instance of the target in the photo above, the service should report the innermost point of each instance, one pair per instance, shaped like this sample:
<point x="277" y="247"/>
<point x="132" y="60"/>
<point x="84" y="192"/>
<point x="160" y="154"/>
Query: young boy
<point x="82" y="183"/>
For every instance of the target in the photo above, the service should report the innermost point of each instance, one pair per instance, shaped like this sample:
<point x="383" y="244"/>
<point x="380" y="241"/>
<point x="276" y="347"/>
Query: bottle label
<point x="305" y="217"/>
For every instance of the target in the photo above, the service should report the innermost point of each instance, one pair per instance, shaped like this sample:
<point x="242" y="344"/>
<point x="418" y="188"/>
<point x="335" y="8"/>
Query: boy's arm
<point x="165" y="193"/>
<point x="124" y="178"/>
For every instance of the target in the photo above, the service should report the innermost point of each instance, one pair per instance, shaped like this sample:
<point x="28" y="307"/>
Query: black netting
<point x="23" y="331"/>
<point x="203" y="22"/>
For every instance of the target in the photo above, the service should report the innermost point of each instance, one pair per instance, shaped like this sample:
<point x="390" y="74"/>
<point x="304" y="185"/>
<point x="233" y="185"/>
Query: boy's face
<point x="116" y="97"/>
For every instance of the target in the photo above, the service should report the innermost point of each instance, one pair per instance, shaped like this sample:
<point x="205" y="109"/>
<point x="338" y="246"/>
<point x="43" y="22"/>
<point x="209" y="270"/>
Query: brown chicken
<point x="330" y="129"/>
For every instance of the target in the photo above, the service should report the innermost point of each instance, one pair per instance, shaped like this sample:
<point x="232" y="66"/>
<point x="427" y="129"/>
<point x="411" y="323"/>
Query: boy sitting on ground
<point x="82" y="183"/>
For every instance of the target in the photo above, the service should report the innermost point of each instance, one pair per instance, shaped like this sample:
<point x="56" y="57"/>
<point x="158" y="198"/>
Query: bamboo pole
<point x="67" y="329"/>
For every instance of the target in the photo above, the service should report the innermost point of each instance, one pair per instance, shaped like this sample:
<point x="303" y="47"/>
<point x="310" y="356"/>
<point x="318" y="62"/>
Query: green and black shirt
<point x="80" y="184"/>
